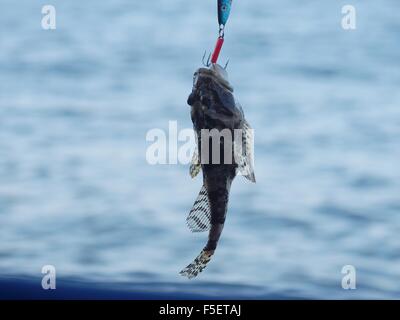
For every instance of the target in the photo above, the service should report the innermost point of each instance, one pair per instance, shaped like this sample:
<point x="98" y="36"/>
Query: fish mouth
<point x="209" y="73"/>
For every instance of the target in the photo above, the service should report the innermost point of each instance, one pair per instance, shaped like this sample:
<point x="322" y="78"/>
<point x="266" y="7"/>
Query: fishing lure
<point x="224" y="10"/>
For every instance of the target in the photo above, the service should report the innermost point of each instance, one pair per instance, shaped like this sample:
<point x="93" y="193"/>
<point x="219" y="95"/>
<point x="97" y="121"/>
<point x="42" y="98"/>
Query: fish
<point x="224" y="10"/>
<point x="214" y="109"/>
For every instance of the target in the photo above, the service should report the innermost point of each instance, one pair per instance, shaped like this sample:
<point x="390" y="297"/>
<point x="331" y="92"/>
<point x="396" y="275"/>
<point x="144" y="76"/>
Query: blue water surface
<point x="77" y="102"/>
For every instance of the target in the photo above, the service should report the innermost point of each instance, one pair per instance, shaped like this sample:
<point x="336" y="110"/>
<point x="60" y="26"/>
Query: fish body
<point x="224" y="9"/>
<point x="224" y="149"/>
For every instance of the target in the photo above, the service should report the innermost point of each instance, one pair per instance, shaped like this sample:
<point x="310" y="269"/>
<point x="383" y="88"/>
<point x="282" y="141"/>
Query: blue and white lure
<point x="224" y="9"/>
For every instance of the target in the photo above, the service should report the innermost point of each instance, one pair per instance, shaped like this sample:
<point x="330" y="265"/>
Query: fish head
<point x="208" y="83"/>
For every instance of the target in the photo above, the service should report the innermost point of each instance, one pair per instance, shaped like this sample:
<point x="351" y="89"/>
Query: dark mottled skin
<point x="213" y="107"/>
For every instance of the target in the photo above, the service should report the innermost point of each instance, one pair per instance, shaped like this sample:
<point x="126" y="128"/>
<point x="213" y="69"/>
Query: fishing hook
<point x="206" y="64"/>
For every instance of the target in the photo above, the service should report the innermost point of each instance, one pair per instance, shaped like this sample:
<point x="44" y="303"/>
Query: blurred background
<point x="76" y="103"/>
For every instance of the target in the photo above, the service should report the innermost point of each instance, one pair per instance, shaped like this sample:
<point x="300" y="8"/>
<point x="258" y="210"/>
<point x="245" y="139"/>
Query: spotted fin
<point x="199" y="218"/>
<point x="195" y="165"/>
<point x="197" y="266"/>
<point x="244" y="153"/>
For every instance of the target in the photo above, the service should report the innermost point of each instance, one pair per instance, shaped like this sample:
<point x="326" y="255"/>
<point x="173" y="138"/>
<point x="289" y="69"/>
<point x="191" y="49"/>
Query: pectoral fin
<point x="195" y="165"/>
<point x="244" y="153"/>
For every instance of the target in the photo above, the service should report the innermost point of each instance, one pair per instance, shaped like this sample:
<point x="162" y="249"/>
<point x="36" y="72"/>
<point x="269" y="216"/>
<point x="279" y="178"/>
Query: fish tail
<point x="201" y="261"/>
<point x="198" y="264"/>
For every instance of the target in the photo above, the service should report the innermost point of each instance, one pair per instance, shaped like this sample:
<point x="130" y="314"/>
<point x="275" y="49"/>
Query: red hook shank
<point x="217" y="50"/>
